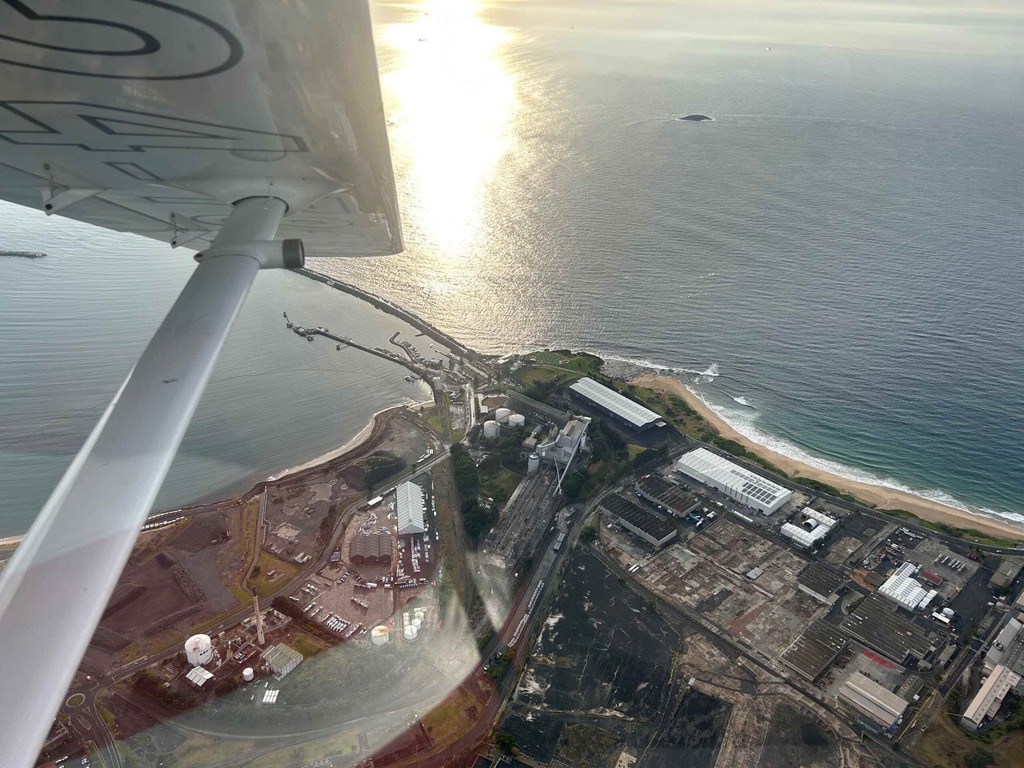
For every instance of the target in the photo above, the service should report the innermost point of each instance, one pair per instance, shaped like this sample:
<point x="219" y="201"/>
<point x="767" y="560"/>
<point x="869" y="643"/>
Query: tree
<point x="979" y="758"/>
<point x="505" y="742"/>
<point x="589" y="534"/>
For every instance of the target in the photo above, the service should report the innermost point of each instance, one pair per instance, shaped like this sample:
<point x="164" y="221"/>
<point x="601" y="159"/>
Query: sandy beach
<point x="879" y="496"/>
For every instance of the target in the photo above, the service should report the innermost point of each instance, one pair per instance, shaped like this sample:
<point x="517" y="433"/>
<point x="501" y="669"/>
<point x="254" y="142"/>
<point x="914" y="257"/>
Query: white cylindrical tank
<point x="410" y="632"/>
<point x="380" y="635"/>
<point x="502" y="415"/>
<point x="533" y="464"/>
<point x="418" y="623"/>
<point x="199" y="650"/>
<point x="490" y="429"/>
<point x="517" y="420"/>
<point x="248" y="675"/>
<point x="421" y="614"/>
<point x="948" y="613"/>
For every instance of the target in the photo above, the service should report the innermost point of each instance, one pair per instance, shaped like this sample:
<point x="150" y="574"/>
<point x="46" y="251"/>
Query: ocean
<point x="833" y="261"/>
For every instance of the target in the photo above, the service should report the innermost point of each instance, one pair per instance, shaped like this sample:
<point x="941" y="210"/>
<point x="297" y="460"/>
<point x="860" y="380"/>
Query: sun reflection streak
<point x="450" y="101"/>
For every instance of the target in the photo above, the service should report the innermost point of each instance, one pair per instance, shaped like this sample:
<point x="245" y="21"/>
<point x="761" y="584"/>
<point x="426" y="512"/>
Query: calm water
<point x="839" y="252"/>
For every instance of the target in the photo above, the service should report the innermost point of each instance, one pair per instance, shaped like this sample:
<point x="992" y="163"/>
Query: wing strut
<point x="56" y="586"/>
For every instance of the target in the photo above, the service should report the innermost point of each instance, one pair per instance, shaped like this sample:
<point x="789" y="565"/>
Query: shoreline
<point x="880" y="496"/>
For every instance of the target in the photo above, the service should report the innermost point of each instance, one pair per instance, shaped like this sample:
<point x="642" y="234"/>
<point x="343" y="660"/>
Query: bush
<point x="979" y="758"/>
<point x="505" y="742"/>
<point x="589" y="534"/>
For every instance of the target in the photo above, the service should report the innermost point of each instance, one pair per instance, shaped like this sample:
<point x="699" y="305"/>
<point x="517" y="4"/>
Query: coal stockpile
<point x="694" y="735"/>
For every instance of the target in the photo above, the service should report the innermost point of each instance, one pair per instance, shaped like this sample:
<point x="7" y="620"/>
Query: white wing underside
<point x="153" y="117"/>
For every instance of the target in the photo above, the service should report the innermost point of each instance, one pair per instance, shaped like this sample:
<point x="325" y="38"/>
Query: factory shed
<point x="655" y="530"/>
<point x="1006" y="572"/>
<point x="871" y="699"/>
<point x="371" y="549"/>
<point x="876" y="624"/>
<point x="810" y="529"/>
<point x="821" y="582"/>
<point x="282" y="659"/>
<point x="410" y="506"/>
<point x="619" y="407"/>
<point x="813" y="652"/>
<point x="733" y="480"/>
<point x="675" y="499"/>
<point x="199" y="676"/>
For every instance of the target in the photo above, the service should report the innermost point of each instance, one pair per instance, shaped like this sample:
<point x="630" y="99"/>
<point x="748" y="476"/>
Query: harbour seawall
<point x="392" y="309"/>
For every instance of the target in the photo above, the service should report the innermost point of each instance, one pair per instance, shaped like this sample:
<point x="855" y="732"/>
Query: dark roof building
<point x="813" y="652"/>
<point x="674" y="498"/>
<point x="370" y="549"/>
<point x="821" y="582"/>
<point x="876" y="623"/>
<point x="653" y="529"/>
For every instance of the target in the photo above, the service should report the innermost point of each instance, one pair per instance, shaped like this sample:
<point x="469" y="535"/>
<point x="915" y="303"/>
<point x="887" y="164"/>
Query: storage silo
<point x="199" y="650"/>
<point x="502" y="415"/>
<point x="418" y="623"/>
<point x="421" y="614"/>
<point x="490" y="429"/>
<point x="410" y="632"/>
<point x="248" y="675"/>
<point x="517" y="420"/>
<point x="380" y="635"/>
<point x="533" y="463"/>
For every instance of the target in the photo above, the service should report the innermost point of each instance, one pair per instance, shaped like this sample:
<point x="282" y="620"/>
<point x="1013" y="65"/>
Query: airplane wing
<point x="250" y="130"/>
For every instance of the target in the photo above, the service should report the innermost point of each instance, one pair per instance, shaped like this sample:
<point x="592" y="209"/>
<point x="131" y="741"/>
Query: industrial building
<point x="199" y="676"/>
<point x="410" y="507"/>
<point x="821" y="582"/>
<point x="619" y="407"/>
<point x="810" y="529"/>
<point x="281" y="659"/>
<point x="876" y="624"/>
<point x="571" y="438"/>
<point x="906" y="591"/>
<point x="1006" y="572"/>
<point x="813" y="652"/>
<point x="1008" y="648"/>
<point x="371" y="549"/>
<point x="733" y="480"/>
<point x="989" y="698"/>
<point x="871" y="699"/>
<point x="676" y="500"/>
<point x="648" y="526"/>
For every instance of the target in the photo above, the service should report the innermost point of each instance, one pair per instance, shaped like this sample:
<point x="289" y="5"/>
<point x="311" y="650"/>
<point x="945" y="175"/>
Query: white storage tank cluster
<point x="502" y="415"/>
<point x="517" y="420"/>
<point x="199" y="650"/>
<point x="248" y="675"/>
<point x="490" y="429"/>
<point x="533" y="464"/>
<point x="380" y="635"/>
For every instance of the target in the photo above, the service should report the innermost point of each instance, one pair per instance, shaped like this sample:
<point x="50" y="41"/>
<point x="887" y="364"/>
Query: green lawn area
<point x="634" y="450"/>
<point x="585" y="364"/>
<point x="285" y="571"/>
<point x="499" y="484"/>
<point x="543" y="374"/>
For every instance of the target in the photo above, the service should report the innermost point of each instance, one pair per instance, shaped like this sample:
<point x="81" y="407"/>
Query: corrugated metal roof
<point x="634" y="413"/>
<point x="410" y="507"/>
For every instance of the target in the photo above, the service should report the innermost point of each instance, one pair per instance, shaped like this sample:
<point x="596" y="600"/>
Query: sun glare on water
<point x="450" y="103"/>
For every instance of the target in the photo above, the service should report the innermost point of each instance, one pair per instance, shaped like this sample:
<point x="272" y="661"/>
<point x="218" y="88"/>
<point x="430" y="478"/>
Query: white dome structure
<point x="410" y="632"/>
<point x="199" y="650"/>
<point x="517" y="420"/>
<point x="502" y="415"/>
<point x="490" y="429"/>
<point x="380" y="635"/>
<point x="248" y="675"/>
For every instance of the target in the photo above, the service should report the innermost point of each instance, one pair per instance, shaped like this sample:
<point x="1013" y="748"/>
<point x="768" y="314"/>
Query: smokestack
<point x="260" y="640"/>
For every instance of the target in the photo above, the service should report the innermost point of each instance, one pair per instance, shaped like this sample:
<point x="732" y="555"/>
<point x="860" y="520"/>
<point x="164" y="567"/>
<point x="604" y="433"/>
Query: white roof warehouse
<point x="618" y="406"/>
<point x="733" y="480"/>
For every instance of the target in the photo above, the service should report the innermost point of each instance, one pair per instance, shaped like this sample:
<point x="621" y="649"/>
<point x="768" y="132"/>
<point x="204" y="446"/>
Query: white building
<point x="812" y="528"/>
<point x="282" y="659"/>
<point x="410" y="507"/>
<point x="871" y="699"/>
<point x="986" y="703"/>
<point x="618" y="406"/>
<point x="733" y="480"/>
<point x="571" y="438"/>
<point x="903" y="589"/>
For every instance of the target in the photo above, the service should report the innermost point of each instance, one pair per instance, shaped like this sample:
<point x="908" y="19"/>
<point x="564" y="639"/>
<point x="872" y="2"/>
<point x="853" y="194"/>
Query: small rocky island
<point x="695" y="118"/>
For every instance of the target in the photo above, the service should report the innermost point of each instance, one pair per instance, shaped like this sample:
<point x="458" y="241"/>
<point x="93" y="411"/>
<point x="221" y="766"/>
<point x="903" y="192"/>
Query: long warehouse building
<point x="733" y="480"/>
<point x="410" y="507"/>
<point x="618" y="406"/>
